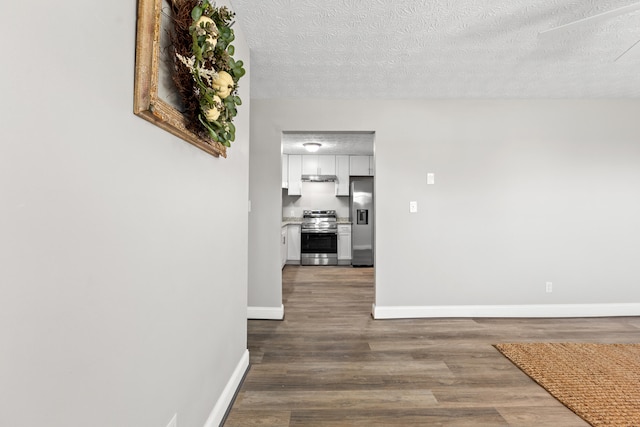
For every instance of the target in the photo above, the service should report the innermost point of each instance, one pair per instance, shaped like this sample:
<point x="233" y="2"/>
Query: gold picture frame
<point x="149" y="103"/>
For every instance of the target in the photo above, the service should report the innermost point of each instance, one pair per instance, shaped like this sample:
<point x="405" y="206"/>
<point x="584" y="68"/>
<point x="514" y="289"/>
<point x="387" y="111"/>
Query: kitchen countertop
<point x="291" y="221"/>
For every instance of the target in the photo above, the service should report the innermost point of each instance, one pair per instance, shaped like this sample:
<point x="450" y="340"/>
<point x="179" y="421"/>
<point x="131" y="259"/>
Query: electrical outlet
<point x="174" y="421"/>
<point x="413" y="207"/>
<point x="549" y="287"/>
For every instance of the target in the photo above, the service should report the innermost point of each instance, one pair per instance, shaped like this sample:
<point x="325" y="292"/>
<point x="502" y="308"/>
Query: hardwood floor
<point x="330" y="364"/>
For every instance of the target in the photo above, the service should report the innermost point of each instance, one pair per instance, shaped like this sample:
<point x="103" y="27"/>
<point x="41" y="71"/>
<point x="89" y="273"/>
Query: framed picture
<point x="155" y="97"/>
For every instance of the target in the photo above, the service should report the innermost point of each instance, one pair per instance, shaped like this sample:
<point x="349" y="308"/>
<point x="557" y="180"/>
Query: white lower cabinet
<point x="293" y="233"/>
<point x="283" y="246"/>
<point x="344" y="243"/>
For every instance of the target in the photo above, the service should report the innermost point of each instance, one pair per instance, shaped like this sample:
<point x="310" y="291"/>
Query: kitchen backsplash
<point x="315" y="195"/>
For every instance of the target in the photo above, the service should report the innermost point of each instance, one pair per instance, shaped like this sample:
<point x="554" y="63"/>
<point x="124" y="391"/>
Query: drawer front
<point x="344" y="229"/>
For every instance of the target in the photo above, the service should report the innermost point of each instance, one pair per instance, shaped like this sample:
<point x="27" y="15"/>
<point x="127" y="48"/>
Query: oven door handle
<point x="319" y="232"/>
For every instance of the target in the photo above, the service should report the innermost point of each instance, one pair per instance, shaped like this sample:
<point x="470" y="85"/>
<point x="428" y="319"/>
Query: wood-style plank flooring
<point x="330" y="364"/>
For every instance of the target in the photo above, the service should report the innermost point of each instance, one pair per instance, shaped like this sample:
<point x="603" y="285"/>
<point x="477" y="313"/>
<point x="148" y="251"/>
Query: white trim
<point x="220" y="409"/>
<point x="532" y="310"/>
<point x="266" y="313"/>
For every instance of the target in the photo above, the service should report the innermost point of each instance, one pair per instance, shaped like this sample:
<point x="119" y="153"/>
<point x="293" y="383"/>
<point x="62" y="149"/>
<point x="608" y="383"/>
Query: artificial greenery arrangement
<point x="205" y="73"/>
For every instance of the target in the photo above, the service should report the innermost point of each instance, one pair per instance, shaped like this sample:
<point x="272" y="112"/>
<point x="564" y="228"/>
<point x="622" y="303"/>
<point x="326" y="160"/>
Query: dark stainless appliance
<point x="362" y="236"/>
<point x="319" y="238"/>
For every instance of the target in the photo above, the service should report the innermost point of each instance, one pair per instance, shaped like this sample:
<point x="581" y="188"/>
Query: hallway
<point x="330" y="364"/>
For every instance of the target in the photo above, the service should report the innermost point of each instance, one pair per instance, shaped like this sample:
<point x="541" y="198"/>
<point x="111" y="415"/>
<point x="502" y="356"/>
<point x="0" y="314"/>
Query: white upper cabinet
<point x="342" y="174"/>
<point x="318" y="165"/>
<point x="285" y="171"/>
<point x="326" y="165"/>
<point x="295" y="175"/>
<point x="361" y="165"/>
<point x="309" y="165"/>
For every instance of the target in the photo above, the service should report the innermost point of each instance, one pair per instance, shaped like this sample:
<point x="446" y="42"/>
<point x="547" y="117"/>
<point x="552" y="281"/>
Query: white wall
<point x="527" y="191"/>
<point x="315" y="195"/>
<point x="265" y="220"/>
<point x="123" y="250"/>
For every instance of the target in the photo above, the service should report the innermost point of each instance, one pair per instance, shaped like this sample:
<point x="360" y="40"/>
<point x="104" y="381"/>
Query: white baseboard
<point x="266" y="313"/>
<point x="220" y="409"/>
<point x="533" y="310"/>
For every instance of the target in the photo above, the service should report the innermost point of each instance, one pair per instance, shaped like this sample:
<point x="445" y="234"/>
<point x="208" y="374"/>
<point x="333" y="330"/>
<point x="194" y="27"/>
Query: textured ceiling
<point x="354" y="143"/>
<point x="441" y="48"/>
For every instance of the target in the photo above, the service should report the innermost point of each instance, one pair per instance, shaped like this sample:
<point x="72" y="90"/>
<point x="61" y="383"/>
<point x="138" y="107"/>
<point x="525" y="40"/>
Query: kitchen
<point x="327" y="198"/>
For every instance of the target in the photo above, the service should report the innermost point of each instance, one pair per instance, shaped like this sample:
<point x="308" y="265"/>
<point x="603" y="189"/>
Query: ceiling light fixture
<point x="312" y="147"/>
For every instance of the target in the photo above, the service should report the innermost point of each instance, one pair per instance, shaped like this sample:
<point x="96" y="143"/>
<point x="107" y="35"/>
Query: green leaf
<point x="241" y="72"/>
<point x="238" y="100"/>
<point x="239" y="63"/>
<point x="207" y="126"/>
<point x="196" y="13"/>
<point x="195" y="47"/>
<point x="231" y="49"/>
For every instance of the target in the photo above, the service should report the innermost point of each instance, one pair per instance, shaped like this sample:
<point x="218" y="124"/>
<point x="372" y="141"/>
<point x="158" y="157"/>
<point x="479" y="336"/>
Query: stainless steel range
<point x="319" y="238"/>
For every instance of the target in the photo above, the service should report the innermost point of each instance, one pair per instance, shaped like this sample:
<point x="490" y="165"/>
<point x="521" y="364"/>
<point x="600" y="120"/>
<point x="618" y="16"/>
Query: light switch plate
<point x="431" y="178"/>
<point x="413" y="207"/>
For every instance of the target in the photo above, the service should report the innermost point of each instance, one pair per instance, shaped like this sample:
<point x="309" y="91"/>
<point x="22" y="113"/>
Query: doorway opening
<point x="328" y="202"/>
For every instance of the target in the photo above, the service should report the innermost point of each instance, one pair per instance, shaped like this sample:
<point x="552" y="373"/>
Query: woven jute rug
<point x="599" y="382"/>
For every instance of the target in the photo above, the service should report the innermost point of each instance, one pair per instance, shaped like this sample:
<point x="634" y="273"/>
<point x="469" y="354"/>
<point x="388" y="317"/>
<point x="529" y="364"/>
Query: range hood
<point x="319" y="178"/>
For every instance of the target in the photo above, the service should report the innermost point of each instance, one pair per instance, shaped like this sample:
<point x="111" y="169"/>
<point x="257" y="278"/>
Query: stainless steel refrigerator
<point x="362" y="219"/>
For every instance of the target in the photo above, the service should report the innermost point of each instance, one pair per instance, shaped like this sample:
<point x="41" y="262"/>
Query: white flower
<point x="189" y="62"/>
<point x="209" y="75"/>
